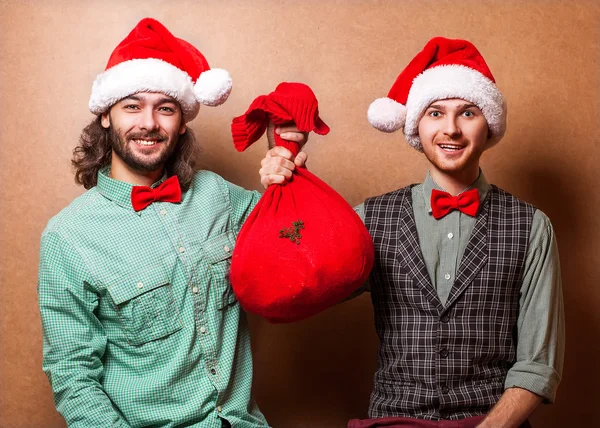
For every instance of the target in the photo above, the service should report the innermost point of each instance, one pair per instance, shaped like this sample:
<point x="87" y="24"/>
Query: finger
<point x="281" y="152"/>
<point x="277" y="170"/>
<point x="267" y="180"/>
<point x="297" y="137"/>
<point x="278" y="162"/>
<point x="301" y="159"/>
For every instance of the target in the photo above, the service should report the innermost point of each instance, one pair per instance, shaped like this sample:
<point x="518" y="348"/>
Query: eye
<point x="167" y="109"/>
<point x="469" y="113"/>
<point x="435" y="113"/>
<point x="131" y="107"/>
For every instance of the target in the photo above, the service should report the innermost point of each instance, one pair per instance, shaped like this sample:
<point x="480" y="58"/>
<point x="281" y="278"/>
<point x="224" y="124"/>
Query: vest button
<point x="445" y="318"/>
<point x="444" y="353"/>
<point x="445" y="389"/>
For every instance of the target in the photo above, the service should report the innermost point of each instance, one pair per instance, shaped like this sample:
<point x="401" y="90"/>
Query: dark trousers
<point x="419" y="423"/>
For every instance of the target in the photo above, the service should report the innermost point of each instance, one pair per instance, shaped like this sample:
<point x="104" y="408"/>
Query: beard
<point x="122" y="146"/>
<point x="456" y="165"/>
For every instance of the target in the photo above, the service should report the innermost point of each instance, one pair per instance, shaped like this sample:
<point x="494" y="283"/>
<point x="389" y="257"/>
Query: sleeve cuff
<point x="538" y="378"/>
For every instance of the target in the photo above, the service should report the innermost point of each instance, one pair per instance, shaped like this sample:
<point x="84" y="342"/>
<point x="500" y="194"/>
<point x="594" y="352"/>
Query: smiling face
<point x="454" y="134"/>
<point x="145" y="129"/>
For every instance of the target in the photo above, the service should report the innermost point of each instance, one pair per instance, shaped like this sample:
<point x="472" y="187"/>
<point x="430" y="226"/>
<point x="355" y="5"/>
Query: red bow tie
<point x="442" y="203"/>
<point x="168" y="191"/>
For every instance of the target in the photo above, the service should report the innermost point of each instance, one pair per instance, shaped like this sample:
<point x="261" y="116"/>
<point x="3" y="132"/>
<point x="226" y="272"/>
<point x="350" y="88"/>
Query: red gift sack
<point x="303" y="248"/>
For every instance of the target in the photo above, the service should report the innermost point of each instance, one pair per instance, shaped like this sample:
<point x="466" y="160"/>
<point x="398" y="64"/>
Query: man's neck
<point x="122" y="172"/>
<point x="455" y="182"/>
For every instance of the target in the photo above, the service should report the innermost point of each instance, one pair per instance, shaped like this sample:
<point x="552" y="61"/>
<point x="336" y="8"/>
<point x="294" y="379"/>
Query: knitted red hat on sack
<point x="444" y="69"/>
<point x="288" y="102"/>
<point x="151" y="59"/>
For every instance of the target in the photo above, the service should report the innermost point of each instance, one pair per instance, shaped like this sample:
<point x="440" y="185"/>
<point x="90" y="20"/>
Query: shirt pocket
<point x="218" y="250"/>
<point x="145" y="304"/>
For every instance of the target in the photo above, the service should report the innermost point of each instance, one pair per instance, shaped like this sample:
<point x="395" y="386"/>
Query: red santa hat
<point x="151" y="59"/>
<point x="444" y="69"/>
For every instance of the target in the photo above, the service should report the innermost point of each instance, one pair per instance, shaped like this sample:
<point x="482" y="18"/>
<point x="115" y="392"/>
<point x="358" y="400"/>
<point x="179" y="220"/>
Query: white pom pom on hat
<point x="213" y="87"/>
<point x="386" y="114"/>
<point x="444" y="69"/>
<point x="151" y="59"/>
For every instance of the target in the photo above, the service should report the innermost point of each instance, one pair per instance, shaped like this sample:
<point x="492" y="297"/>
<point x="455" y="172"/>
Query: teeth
<point x="450" y="147"/>
<point x="145" y="142"/>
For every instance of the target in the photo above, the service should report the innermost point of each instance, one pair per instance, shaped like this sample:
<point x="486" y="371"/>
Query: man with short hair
<point x="466" y="286"/>
<point x="140" y="325"/>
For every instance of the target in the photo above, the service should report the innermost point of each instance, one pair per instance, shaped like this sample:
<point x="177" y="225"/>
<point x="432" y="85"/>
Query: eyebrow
<point x="459" y="107"/>
<point x="141" y="99"/>
<point x="167" y="100"/>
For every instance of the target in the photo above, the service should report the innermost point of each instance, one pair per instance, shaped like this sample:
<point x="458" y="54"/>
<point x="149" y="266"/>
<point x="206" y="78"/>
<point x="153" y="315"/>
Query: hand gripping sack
<point x="303" y="248"/>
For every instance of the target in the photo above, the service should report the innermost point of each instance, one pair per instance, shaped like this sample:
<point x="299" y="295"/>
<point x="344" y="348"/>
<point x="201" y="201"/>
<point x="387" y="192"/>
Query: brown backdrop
<point x="317" y="373"/>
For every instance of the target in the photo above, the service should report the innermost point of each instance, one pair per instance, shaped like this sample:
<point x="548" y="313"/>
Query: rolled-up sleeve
<point x="540" y="328"/>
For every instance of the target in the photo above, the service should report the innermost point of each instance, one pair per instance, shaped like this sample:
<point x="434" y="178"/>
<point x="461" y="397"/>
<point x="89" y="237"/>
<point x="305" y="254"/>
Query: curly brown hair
<point x="94" y="152"/>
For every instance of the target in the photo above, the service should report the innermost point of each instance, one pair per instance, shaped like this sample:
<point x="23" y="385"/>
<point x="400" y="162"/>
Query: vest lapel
<point x="475" y="256"/>
<point x="409" y="252"/>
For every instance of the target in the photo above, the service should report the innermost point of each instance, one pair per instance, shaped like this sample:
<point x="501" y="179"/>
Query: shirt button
<point x="450" y="235"/>
<point x="195" y="289"/>
<point x="226" y="248"/>
<point x="163" y="212"/>
<point x="445" y="389"/>
<point x="445" y="318"/>
<point x="140" y="285"/>
<point x="447" y="276"/>
<point x="444" y="353"/>
<point x="203" y="330"/>
<point x="219" y="409"/>
<point x="181" y="250"/>
<point x="213" y="372"/>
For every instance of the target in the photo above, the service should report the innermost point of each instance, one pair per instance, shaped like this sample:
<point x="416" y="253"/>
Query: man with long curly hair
<point x="140" y="324"/>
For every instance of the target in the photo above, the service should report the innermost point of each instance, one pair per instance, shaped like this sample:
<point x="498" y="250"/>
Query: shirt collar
<point x="119" y="191"/>
<point x="480" y="184"/>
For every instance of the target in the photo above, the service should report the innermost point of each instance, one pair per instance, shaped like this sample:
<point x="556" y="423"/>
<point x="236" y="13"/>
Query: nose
<point x="147" y="121"/>
<point x="450" y="127"/>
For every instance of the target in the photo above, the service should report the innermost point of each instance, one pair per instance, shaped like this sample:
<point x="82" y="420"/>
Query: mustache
<point x="461" y="141"/>
<point x="152" y="135"/>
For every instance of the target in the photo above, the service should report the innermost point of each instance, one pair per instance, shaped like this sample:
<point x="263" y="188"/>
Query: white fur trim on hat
<point x="213" y="87"/>
<point x="454" y="81"/>
<point x="386" y="114"/>
<point x="143" y="75"/>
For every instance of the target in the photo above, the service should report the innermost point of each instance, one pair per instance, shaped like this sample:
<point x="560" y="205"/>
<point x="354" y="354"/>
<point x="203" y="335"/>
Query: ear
<point x="182" y="128"/>
<point x="105" y="120"/>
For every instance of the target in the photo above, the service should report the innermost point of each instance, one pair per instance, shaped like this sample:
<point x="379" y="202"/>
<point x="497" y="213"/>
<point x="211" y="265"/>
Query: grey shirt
<point x="540" y="326"/>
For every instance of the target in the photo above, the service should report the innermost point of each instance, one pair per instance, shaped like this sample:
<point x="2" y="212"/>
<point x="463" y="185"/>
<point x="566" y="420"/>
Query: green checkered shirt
<point x="141" y="327"/>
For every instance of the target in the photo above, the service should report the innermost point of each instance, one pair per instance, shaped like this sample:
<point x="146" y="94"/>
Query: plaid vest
<point x="445" y="362"/>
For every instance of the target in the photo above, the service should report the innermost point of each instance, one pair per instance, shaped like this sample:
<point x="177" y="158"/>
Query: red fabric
<point x="400" y="422"/>
<point x="303" y="248"/>
<point x="151" y="39"/>
<point x="290" y="102"/>
<point x="442" y="203"/>
<point x="438" y="51"/>
<point x="168" y="191"/>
